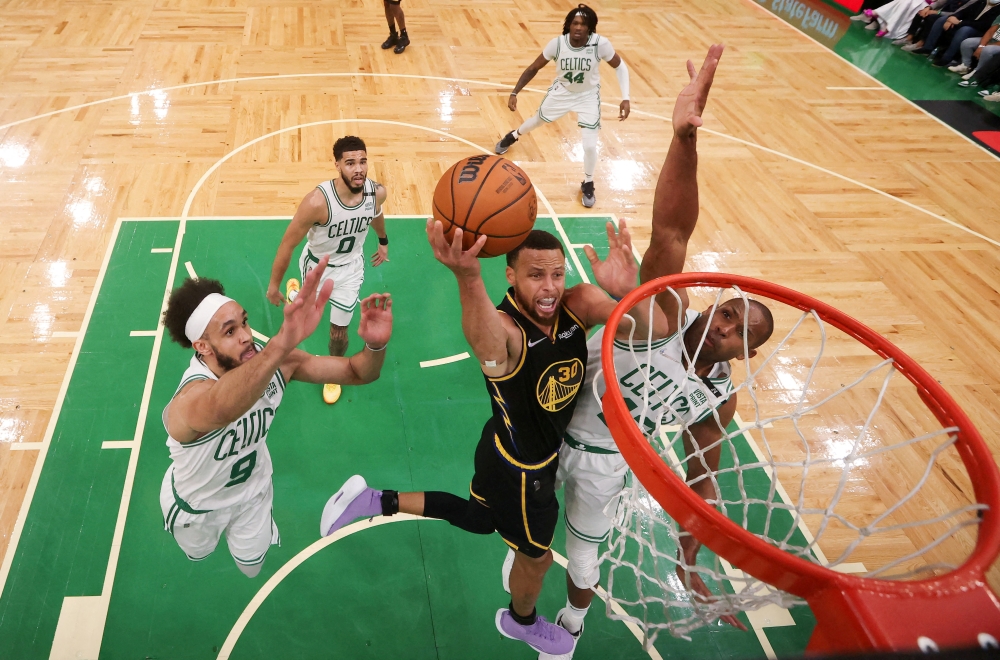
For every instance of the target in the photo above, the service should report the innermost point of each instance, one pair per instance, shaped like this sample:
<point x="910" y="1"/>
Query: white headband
<point x="202" y="314"/>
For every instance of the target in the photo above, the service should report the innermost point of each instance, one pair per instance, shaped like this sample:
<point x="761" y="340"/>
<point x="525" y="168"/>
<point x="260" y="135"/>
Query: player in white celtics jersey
<point x="576" y="88"/>
<point x="334" y="219"/>
<point x="217" y="422"/>
<point x="663" y="389"/>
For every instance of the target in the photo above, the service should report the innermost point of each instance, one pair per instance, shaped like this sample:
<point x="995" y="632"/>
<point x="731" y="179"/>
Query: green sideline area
<point x="404" y="590"/>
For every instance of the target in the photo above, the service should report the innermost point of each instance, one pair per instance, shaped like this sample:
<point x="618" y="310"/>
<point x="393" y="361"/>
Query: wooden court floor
<point x="229" y="108"/>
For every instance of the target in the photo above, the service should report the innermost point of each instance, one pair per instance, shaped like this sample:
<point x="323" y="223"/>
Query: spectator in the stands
<point x="945" y="38"/>
<point x="894" y="18"/>
<point x="987" y="51"/>
<point x="978" y="49"/>
<point x="866" y="10"/>
<point x="924" y="21"/>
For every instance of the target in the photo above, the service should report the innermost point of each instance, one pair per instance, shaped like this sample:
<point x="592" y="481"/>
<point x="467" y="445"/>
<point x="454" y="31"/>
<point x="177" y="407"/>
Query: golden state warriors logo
<point x="559" y="384"/>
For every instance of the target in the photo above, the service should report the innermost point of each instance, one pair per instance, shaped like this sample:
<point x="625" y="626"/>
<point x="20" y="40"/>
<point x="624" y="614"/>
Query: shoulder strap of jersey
<point x="329" y="205"/>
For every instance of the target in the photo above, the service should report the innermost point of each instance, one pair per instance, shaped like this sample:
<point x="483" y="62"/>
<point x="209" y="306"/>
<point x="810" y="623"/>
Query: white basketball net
<point x="873" y="483"/>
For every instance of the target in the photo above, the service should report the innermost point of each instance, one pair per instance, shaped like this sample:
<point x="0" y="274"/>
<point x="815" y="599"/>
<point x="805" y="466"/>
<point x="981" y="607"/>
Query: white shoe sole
<point x="508" y="564"/>
<point x="496" y="620"/>
<point x="337" y="504"/>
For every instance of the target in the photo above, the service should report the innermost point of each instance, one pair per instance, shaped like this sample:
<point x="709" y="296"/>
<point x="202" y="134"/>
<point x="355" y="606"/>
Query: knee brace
<point x="589" y="136"/>
<point x="583" y="563"/>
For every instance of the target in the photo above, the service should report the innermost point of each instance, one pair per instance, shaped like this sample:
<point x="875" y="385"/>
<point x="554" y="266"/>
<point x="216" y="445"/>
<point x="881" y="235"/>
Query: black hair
<point x="768" y="322"/>
<point x="536" y="240"/>
<point x="182" y="303"/>
<point x="348" y="143"/>
<point x="588" y="14"/>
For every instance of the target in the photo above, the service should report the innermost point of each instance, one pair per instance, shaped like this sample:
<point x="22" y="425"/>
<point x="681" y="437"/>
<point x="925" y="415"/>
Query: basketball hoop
<point x="948" y="609"/>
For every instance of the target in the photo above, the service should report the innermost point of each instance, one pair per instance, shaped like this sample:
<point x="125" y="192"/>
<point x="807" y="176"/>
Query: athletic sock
<point x="572" y="618"/>
<point x="390" y="502"/>
<point x="523" y="620"/>
<point x="587" y="178"/>
<point x="516" y="134"/>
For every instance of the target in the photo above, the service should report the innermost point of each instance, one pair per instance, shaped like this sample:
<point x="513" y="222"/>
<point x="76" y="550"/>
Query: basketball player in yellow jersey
<point x="335" y="217"/>
<point x="576" y="88"/>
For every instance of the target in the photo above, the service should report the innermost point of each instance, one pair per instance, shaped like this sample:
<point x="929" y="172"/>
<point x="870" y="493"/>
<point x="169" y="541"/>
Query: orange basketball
<point x="486" y="195"/>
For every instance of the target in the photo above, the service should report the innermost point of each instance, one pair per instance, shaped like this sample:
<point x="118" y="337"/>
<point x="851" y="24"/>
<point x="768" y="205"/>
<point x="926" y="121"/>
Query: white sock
<point x="572" y="618"/>
<point x="588" y="178"/>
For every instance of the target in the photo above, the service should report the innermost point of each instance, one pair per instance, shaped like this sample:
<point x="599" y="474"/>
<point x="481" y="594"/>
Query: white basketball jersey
<point x="229" y="465"/>
<point x="342" y="236"/>
<point x="577" y="68"/>
<point x="675" y="396"/>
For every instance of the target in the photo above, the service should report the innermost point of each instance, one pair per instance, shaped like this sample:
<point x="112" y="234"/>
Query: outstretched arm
<point x="494" y="338"/>
<point x="206" y="405"/>
<point x="312" y="210"/>
<point x="675" y="202"/>
<point x="364" y="366"/>
<point x="525" y="78"/>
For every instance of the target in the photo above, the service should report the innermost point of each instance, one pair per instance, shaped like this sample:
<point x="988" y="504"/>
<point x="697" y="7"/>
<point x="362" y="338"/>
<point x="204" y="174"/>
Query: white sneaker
<point x="508" y="563"/>
<point x="872" y="26"/>
<point x="969" y="75"/>
<point x="994" y="97"/>
<point x="576" y="640"/>
<point x="959" y="68"/>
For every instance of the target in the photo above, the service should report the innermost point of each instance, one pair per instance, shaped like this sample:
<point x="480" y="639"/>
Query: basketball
<point x="486" y="195"/>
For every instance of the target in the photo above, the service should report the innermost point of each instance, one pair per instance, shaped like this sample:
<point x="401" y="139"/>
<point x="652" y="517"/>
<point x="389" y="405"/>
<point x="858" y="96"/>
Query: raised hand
<point x="692" y="99"/>
<point x="303" y="314"/>
<point x="464" y="263"/>
<point x="375" y="327"/>
<point x="617" y="274"/>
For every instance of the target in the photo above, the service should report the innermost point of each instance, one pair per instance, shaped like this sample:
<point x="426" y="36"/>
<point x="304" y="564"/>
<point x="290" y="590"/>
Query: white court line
<point x="118" y="444"/>
<point x="142" y="333"/>
<point x="29" y="494"/>
<point x="286" y="569"/>
<point x="639" y="113"/>
<point x="860" y="89"/>
<point x="444" y="360"/>
<point x="161" y="250"/>
<point x="25" y="446"/>
<point x="193" y="275"/>
<point x="187" y="264"/>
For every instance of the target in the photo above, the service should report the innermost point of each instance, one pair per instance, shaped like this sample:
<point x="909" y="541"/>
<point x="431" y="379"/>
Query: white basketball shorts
<point x="249" y="527"/>
<point x="586" y="105"/>
<point x="347" y="281"/>
<point x="594" y="483"/>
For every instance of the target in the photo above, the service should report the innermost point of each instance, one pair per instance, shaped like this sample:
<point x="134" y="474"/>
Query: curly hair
<point x="588" y="14"/>
<point x="348" y="143"/>
<point x="182" y="303"/>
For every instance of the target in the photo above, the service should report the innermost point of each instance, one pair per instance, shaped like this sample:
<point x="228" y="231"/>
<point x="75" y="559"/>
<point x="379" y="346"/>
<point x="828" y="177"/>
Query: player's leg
<point x="404" y="37"/>
<point x="390" y="17"/>
<point x="252" y="532"/>
<point x="588" y="118"/>
<point x="553" y="106"/>
<point x="343" y="301"/>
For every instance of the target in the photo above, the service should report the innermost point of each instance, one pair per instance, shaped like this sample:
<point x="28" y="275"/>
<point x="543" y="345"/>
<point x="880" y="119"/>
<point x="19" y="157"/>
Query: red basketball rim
<point x="752" y="554"/>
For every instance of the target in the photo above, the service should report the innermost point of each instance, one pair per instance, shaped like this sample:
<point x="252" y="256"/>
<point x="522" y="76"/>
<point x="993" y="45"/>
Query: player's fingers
<point x="624" y="235"/>
<point x="692" y="72"/>
<point x="456" y="242"/>
<point x="324" y="294"/>
<point x="478" y="245"/>
<point x="388" y="302"/>
<point x="733" y="621"/>
<point x="609" y="227"/>
<point x="591" y="254"/>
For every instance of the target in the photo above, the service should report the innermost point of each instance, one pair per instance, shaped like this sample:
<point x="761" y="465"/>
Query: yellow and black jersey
<point x="532" y="406"/>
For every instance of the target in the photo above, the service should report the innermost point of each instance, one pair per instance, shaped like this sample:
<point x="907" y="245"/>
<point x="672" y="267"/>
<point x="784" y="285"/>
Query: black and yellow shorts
<point x="521" y="497"/>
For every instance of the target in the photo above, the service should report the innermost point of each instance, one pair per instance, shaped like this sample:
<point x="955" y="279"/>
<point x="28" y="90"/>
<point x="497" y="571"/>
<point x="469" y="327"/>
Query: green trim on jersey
<point x="656" y="345"/>
<point x="184" y="506"/>
<point x="580" y="535"/>
<point x="329" y="207"/>
<point x="203" y="439"/>
<point x="364" y="187"/>
<point x="342" y="308"/>
<point x="576" y="444"/>
<point x="569" y="44"/>
<point x="189" y="379"/>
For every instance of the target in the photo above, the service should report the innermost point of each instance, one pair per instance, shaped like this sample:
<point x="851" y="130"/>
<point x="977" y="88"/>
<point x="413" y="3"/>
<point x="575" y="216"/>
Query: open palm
<point x="376" y="319"/>
<point x="618" y="272"/>
<point x="692" y="99"/>
<point x="303" y="315"/>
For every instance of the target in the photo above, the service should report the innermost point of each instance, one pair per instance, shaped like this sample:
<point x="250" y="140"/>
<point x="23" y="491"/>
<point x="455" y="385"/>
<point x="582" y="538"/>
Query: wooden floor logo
<point x="559" y="384"/>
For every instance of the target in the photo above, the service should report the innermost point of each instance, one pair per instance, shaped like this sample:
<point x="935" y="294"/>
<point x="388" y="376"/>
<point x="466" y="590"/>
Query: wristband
<point x="614" y="297"/>
<point x="375" y="350"/>
<point x="383" y="240"/>
<point x="513" y="93"/>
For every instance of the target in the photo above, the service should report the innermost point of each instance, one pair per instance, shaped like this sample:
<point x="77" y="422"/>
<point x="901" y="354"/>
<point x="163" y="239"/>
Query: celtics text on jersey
<point x="343" y="234"/>
<point x="577" y="68"/>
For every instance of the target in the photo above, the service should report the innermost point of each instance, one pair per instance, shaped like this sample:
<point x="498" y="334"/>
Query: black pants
<point x="517" y="501"/>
